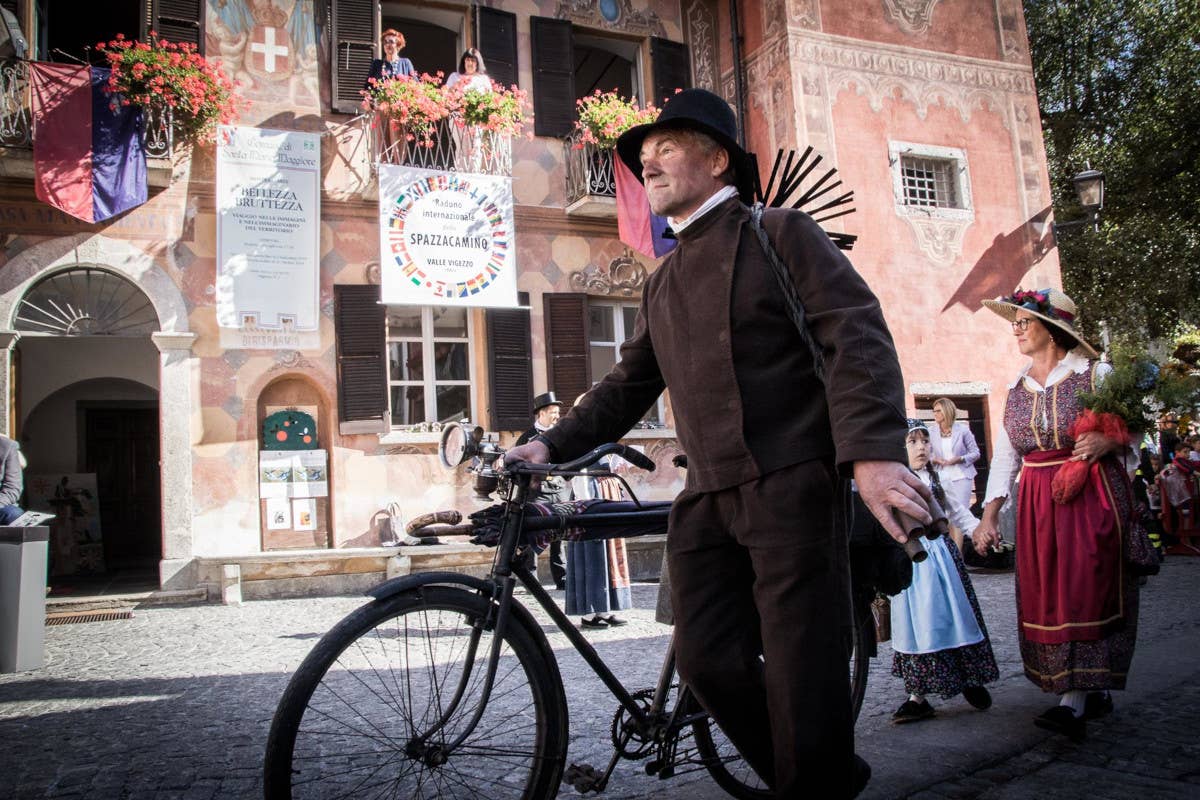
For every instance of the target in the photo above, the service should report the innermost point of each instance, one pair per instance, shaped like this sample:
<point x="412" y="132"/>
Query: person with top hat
<point x="759" y="571"/>
<point x="1077" y="604"/>
<point x="546" y="410"/>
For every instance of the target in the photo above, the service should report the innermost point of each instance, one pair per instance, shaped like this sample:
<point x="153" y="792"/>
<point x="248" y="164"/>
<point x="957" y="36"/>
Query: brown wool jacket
<point x="713" y="328"/>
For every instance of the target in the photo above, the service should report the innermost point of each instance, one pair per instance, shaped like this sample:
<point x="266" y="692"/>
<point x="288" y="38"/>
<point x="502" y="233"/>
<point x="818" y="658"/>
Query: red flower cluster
<point x="604" y="116"/>
<point x="162" y="74"/>
<point x="418" y="102"/>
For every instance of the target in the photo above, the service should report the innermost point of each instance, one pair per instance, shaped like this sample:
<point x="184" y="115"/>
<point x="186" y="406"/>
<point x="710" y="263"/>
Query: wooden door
<point x="121" y="447"/>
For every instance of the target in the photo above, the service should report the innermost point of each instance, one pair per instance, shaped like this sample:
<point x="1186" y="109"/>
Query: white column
<point x="8" y="340"/>
<point x="175" y="407"/>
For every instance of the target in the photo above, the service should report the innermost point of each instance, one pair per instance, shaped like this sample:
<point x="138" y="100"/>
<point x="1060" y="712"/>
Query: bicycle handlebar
<point x="635" y="457"/>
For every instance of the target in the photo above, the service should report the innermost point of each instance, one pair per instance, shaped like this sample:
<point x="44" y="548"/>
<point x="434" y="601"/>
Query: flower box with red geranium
<point x="414" y="102"/>
<point x="604" y="116"/>
<point x="172" y="76"/>
<point x="502" y="111"/>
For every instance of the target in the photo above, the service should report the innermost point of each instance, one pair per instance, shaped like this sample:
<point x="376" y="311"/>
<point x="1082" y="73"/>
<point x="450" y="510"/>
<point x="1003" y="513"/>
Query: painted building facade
<point x="927" y="109"/>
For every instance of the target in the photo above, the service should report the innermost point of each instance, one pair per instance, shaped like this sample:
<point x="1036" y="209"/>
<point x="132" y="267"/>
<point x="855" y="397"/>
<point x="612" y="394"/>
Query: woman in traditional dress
<point x="939" y="639"/>
<point x="598" y="571"/>
<point x="1077" y="602"/>
<point x="954" y="453"/>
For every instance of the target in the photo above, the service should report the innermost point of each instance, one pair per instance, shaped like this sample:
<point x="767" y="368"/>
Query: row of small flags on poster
<point x="90" y="158"/>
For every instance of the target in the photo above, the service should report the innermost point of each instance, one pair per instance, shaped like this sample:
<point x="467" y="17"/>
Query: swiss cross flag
<point x="270" y="51"/>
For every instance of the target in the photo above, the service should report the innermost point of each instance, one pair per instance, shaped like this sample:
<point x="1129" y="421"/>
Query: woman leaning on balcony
<point x="390" y="143"/>
<point x="468" y="140"/>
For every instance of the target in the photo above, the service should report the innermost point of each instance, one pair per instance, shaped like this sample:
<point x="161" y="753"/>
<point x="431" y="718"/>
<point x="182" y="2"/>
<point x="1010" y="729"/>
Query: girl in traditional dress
<point x="1077" y="603"/>
<point x="939" y="638"/>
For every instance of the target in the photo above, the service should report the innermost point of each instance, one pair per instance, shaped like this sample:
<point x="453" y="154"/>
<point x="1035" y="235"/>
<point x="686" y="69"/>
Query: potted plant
<point x="158" y="75"/>
<point x="413" y="103"/>
<point x="604" y="116"/>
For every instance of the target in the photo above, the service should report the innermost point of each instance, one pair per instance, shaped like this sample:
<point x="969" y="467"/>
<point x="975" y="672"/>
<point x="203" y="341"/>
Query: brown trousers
<point x="759" y="569"/>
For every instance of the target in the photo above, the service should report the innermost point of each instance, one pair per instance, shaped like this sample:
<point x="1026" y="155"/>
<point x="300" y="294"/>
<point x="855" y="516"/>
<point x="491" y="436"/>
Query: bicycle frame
<point x="502" y="583"/>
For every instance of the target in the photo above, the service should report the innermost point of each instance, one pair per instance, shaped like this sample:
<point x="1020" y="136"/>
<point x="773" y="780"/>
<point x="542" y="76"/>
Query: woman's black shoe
<point x="912" y="711"/>
<point x="1097" y="705"/>
<point x="588" y="622"/>
<point x="978" y="697"/>
<point x="615" y="621"/>
<point x="1061" y="719"/>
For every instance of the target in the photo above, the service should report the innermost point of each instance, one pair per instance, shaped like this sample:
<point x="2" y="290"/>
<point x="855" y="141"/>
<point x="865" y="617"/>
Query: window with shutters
<point x="609" y="325"/>
<point x="61" y="33"/>
<point x="429" y="365"/>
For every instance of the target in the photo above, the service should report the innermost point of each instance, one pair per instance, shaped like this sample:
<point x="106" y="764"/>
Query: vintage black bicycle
<point x="445" y="685"/>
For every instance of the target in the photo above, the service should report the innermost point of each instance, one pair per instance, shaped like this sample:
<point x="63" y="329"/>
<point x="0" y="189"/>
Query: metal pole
<point x="739" y="79"/>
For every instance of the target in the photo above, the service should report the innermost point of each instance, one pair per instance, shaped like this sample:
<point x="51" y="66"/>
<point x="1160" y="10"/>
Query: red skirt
<point x="1069" y="557"/>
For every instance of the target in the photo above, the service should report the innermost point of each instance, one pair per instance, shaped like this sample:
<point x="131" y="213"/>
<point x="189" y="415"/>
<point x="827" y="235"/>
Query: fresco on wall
<point x="270" y="46"/>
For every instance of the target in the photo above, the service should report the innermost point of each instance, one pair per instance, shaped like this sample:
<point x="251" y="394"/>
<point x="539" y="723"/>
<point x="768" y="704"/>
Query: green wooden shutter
<point x="180" y="21"/>
<point x="510" y="367"/>
<point x="568" y="362"/>
<point x="672" y="68"/>
<point x="355" y="37"/>
<point x="496" y="39"/>
<point x="360" y="323"/>
<point x="553" y="76"/>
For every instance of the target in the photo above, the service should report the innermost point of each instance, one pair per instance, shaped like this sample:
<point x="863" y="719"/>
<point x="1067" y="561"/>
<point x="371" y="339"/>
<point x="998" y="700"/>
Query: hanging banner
<point x="268" y="238"/>
<point x="446" y="238"/>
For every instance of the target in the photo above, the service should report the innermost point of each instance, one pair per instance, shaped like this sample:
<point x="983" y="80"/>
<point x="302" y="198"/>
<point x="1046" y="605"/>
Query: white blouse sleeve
<point x="1005" y="463"/>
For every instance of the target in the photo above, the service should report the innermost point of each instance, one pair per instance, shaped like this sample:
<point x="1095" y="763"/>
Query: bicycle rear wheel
<point x="359" y="717"/>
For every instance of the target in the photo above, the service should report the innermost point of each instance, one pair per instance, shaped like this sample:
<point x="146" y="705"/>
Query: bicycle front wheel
<point x="375" y="708"/>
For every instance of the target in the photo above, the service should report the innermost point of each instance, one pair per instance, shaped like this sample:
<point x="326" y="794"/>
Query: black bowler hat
<point x="546" y="399"/>
<point x="697" y="110"/>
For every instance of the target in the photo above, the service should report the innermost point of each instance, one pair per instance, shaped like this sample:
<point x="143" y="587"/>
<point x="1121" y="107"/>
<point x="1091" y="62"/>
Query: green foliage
<point x="1117" y="86"/>
<point x="1138" y="390"/>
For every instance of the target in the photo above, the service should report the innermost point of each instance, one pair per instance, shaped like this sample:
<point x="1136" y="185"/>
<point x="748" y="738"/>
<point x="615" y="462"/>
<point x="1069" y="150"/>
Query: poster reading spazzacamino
<point x="446" y="238"/>
<point x="268" y="238"/>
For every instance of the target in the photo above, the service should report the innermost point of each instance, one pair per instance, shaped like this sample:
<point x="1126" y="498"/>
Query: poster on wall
<point x="304" y="514"/>
<point x="446" y="238"/>
<point x="297" y="473"/>
<point x="279" y="514"/>
<point x="268" y="238"/>
<point x="76" y="543"/>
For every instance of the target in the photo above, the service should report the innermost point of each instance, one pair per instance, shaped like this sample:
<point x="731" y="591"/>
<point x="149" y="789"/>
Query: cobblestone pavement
<point x="176" y="703"/>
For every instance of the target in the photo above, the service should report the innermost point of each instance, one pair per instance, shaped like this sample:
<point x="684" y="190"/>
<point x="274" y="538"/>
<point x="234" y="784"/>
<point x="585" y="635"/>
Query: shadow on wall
<point x="1005" y="262"/>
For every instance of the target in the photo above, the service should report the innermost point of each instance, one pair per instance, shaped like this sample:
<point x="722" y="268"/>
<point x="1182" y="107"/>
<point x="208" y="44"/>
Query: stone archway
<point x="174" y="342"/>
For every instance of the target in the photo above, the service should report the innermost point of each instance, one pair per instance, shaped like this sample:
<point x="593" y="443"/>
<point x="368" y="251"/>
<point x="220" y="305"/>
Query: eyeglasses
<point x="1021" y="324"/>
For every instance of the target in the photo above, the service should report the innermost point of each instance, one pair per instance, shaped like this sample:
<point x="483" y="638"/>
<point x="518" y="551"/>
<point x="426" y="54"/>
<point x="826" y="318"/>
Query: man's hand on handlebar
<point x="888" y="485"/>
<point x="534" y="452"/>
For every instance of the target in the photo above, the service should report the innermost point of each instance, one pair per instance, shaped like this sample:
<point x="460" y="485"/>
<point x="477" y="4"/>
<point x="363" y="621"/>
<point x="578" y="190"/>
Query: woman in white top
<point x="471" y="71"/>
<point x="954" y="452"/>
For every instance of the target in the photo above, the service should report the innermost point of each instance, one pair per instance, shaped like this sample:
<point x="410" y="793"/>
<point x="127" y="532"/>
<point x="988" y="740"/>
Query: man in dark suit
<point x="11" y="480"/>
<point x="546" y="411"/>
<point x="759" y="570"/>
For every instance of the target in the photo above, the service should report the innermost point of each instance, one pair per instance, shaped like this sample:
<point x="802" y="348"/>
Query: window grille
<point x="929" y="182"/>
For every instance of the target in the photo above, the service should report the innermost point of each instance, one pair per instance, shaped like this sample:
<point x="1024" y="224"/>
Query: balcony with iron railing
<point x="591" y="184"/>
<point x="450" y="147"/>
<point x="17" y="130"/>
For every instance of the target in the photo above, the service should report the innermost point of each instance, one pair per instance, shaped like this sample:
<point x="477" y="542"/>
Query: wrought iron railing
<point x="16" y="128"/>
<point x="589" y="169"/>
<point x="14" y="104"/>
<point x="450" y="147"/>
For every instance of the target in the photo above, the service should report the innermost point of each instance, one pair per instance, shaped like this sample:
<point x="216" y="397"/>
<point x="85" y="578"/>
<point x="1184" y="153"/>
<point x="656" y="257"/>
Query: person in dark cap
<point x="546" y="410"/>
<point x="760" y="582"/>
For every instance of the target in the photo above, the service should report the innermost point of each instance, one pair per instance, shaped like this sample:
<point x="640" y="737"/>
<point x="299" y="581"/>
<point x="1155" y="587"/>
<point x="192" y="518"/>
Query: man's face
<point x="678" y="173"/>
<point x="547" y="416"/>
<point x="918" y="451"/>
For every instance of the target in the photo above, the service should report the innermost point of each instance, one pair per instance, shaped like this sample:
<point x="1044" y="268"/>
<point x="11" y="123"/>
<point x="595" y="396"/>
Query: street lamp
<point x="1089" y="187"/>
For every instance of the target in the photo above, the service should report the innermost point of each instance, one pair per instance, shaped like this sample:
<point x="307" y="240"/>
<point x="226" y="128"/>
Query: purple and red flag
<point x="89" y="156"/>
<point x="636" y="225"/>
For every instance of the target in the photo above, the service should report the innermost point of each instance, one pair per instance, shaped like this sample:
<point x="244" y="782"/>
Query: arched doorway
<point x="87" y="415"/>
